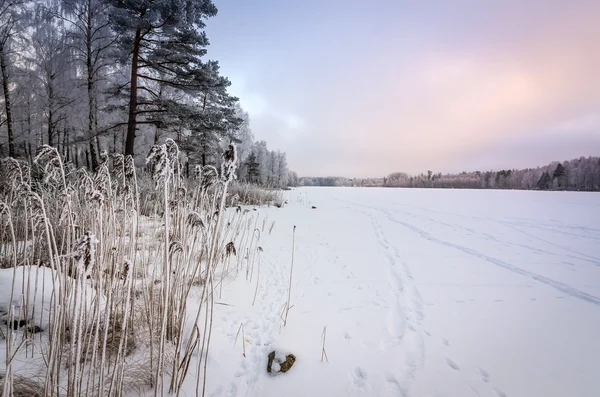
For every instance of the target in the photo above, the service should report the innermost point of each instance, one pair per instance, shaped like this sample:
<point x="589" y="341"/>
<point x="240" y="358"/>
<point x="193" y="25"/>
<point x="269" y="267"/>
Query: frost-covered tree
<point x="282" y="170"/>
<point x="293" y="179"/>
<point x="13" y="19"/>
<point x="51" y="60"/>
<point x="90" y="37"/>
<point x="81" y="74"/>
<point x="266" y="168"/>
<point x="577" y="174"/>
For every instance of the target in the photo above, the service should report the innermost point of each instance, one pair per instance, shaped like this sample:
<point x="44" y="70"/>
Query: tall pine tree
<point x="162" y="43"/>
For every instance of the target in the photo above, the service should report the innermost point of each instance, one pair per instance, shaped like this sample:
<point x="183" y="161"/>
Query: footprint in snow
<point x="396" y="322"/>
<point x="394" y="386"/>
<point x="396" y="281"/>
<point x="485" y="376"/>
<point x="358" y="377"/>
<point x="452" y="364"/>
<point x="446" y="342"/>
<point x="232" y="392"/>
<point x="499" y="392"/>
<point x="347" y="336"/>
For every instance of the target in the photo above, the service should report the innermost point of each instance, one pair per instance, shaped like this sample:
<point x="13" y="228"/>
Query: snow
<point x="423" y="293"/>
<point x="36" y="293"/>
<point x="32" y="296"/>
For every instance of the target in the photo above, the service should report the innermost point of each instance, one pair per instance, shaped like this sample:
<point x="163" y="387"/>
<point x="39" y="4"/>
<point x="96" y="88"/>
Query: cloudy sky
<point x="365" y="88"/>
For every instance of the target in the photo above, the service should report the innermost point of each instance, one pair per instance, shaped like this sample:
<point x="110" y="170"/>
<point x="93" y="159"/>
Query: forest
<point x="99" y="77"/>
<point x="577" y="174"/>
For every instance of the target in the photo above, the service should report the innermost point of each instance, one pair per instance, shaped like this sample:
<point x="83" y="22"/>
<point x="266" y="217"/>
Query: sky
<point x="366" y="88"/>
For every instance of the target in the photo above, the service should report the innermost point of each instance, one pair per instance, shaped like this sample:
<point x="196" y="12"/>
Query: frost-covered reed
<point x="113" y="276"/>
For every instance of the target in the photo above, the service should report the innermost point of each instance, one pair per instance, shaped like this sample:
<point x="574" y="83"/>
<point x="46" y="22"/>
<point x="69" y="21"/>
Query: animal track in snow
<point x="452" y="364"/>
<point x="394" y="387"/>
<point x="396" y="322"/>
<point x="358" y="377"/>
<point x="395" y="280"/>
<point x="499" y="392"/>
<point x="485" y="376"/>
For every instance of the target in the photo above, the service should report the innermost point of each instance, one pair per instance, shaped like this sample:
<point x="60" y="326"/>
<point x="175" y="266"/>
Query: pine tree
<point x="210" y="123"/>
<point x="253" y="168"/>
<point x="559" y="174"/>
<point x="544" y="182"/>
<point x="162" y="42"/>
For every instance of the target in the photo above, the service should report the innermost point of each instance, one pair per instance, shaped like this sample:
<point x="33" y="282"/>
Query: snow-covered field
<point x="423" y="293"/>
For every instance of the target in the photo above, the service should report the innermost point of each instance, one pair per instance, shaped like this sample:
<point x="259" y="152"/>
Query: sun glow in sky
<point x="357" y="88"/>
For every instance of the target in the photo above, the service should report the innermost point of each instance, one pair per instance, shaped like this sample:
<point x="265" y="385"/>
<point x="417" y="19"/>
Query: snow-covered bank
<point x="423" y="293"/>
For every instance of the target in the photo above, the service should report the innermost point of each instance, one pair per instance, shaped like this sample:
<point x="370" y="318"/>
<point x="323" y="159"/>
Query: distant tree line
<point x="340" y="181"/>
<point x="577" y="174"/>
<point x="93" y="76"/>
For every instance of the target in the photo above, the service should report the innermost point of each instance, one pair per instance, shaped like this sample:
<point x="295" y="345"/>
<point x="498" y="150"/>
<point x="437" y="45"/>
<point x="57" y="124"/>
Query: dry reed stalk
<point x="287" y="308"/>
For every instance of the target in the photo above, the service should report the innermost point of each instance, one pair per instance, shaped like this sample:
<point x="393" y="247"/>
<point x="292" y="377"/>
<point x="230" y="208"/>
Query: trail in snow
<point x="553" y="283"/>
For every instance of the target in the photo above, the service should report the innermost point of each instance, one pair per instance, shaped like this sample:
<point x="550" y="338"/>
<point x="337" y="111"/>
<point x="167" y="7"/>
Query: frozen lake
<point x="424" y="293"/>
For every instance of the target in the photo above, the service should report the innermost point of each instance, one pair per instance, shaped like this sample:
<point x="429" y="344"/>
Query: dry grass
<point x="247" y="194"/>
<point x="21" y="386"/>
<point x="126" y="254"/>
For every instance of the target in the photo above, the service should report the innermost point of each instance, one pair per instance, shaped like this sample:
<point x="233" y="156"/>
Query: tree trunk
<point x="30" y="135"/>
<point x="90" y="91"/>
<point x="7" y="104"/>
<point x="91" y="123"/>
<point x="51" y="118"/>
<point x="131" y="123"/>
<point x="66" y="145"/>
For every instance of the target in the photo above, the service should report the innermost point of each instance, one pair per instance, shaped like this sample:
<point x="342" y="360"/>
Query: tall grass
<point x="117" y="272"/>
<point x="249" y="194"/>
